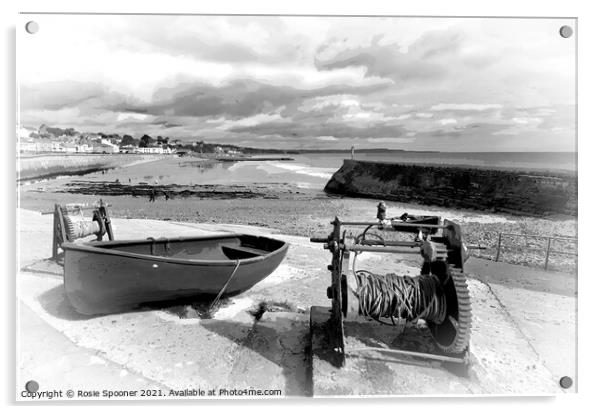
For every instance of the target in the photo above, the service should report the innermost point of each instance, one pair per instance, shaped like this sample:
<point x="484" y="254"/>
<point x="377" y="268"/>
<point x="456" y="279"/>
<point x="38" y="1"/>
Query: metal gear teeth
<point x="464" y="322"/>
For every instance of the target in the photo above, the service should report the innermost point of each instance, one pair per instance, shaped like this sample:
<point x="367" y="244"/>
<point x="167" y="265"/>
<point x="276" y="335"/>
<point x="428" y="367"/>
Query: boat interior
<point x="235" y="247"/>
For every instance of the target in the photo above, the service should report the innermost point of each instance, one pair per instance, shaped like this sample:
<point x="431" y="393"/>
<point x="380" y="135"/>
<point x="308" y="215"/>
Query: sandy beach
<point x="46" y="166"/>
<point x="524" y="313"/>
<point x="199" y="192"/>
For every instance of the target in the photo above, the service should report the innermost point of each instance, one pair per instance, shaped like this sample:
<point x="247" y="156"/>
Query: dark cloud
<point x="88" y="97"/>
<point x="59" y="94"/>
<point x="241" y="98"/>
<point x="425" y="59"/>
<point x="166" y="124"/>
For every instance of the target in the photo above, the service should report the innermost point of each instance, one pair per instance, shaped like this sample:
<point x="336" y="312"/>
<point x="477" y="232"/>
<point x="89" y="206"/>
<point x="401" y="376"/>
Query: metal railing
<point x="548" y="243"/>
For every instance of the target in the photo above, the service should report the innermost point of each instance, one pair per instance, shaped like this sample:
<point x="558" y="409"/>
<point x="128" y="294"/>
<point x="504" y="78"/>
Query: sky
<point x="443" y="84"/>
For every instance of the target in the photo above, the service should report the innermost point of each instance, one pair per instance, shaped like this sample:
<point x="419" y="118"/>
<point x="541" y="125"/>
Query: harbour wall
<point x="538" y="193"/>
<point x="51" y="165"/>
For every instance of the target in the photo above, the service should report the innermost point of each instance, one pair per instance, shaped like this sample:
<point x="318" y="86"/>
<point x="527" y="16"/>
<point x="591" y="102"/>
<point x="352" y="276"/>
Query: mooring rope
<point x="221" y="292"/>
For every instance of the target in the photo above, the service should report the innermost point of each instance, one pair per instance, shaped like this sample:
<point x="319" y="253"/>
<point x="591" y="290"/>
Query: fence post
<point x="548" y="253"/>
<point x="499" y="246"/>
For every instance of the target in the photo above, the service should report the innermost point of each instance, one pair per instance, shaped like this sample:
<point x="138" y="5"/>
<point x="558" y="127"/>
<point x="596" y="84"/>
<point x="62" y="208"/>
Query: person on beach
<point x="166" y="194"/>
<point x="152" y="195"/>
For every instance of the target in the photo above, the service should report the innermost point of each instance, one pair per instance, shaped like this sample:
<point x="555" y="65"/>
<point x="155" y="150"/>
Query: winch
<point x="70" y="223"/>
<point x="439" y="295"/>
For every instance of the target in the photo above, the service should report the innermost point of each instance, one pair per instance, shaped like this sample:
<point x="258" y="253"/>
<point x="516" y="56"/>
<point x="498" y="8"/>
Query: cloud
<point x="241" y="98"/>
<point x="122" y="116"/>
<point x="390" y="140"/>
<point x="59" y="94"/>
<point x="437" y="83"/>
<point x="448" y="121"/>
<point x="527" y="120"/>
<point x="336" y="130"/>
<point x="424" y="115"/>
<point x="227" y="39"/>
<point x="464" y="107"/>
<point x="423" y="60"/>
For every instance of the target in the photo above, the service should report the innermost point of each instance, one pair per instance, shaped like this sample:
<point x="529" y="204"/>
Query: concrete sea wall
<point x="51" y="165"/>
<point x="512" y="191"/>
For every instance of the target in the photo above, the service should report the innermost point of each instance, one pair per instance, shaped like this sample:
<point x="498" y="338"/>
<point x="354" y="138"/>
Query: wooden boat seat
<point x="242" y="252"/>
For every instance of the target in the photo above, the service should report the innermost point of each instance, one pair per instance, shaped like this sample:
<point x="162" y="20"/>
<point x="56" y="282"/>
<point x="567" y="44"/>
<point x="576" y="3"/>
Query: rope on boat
<point x="221" y="292"/>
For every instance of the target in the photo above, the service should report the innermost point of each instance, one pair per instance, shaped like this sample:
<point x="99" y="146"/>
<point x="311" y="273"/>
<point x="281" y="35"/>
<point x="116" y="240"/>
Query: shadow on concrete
<point x="282" y="340"/>
<point x="55" y="302"/>
<point x="44" y="266"/>
<point x="370" y="340"/>
<point x="413" y="338"/>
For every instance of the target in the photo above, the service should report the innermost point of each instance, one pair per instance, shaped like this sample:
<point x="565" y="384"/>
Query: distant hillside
<point x="212" y="147"/>
<point x="45" y="131"/>
<point x="358" y="150"/>
<point x="71" y="134"/>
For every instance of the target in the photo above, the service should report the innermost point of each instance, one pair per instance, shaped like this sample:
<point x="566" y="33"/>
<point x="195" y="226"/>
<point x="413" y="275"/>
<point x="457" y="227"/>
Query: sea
<point x="313" y="170"/>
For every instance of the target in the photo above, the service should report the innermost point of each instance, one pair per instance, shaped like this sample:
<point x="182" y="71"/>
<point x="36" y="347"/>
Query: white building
<point x="26" y="146"/>
<point x="85" y="148"/>
<point x="70" y="148"/>
<point x="43" y="145"/>
<point x="153" y="150"/>
<point x="126" y="149"/>
<point x="109" y="145"/>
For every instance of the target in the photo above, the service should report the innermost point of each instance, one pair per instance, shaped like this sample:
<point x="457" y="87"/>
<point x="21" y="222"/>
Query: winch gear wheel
<point x="452" y="336"/>
<point x="69" y="228"/>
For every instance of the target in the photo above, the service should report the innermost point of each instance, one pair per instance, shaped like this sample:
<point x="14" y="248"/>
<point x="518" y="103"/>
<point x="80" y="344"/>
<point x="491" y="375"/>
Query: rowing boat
<point x="116" y="276"/>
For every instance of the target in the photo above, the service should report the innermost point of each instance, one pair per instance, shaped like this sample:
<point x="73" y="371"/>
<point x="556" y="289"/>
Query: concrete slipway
<point x="523" y="340"/>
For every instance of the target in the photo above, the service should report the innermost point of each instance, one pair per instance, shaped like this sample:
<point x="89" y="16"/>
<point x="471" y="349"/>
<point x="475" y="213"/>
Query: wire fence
<point x="541" y="250"/>
<point x="558" y="253"/>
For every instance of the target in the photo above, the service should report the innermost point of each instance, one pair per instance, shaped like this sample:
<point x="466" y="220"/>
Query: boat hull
<point x="102" y="277"/>
<point x="413" y="223"/>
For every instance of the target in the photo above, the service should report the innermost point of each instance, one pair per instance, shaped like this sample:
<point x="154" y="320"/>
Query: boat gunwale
<point x="91" y="247"/>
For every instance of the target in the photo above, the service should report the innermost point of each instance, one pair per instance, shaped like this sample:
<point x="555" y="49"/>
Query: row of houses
<point x="130" y="149"/>
<point x="101" y="147"/>
<point x="44" y="145"/>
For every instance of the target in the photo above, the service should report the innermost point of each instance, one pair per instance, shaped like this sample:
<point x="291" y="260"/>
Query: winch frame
<point x="444" y="254"/>
<point x="100" y="215"/>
